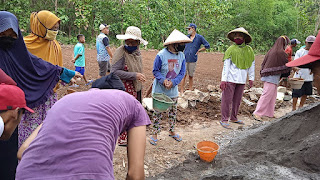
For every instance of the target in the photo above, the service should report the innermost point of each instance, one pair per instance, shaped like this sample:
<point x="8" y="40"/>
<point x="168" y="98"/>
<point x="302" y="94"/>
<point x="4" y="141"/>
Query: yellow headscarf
<point x="35" y="42"/>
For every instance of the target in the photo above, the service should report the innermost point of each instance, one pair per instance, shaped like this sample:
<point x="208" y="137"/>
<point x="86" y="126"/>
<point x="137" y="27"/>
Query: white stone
<point x="182" y="103"/>
<point x="282" y="89"/>
<point x="253" y="96"/>
<point x="257" y="91"/>
<point x="190" y="95"/>
<point x="193" y="103"/>
<point x="210" y="88"/>
<point x="147" y="103"/>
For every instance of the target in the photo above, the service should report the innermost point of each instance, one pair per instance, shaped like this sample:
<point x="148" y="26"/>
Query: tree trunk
<point x="56" y="6"/>
<point x="317" y="22"/>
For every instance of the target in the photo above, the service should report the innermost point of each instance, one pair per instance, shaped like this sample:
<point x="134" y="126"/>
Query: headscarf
<point x="274" y="62"/>
<point x="241" y="55"/>
<point x="133" y="61"/>
<point x="33" y="75"/>
<point x="47" y="50"/>
<point x="110" y="81"/>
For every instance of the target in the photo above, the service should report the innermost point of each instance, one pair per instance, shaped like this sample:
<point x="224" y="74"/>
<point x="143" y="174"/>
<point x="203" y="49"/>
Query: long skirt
<point x="30" y="121"/>
<point x="267" y="101"/>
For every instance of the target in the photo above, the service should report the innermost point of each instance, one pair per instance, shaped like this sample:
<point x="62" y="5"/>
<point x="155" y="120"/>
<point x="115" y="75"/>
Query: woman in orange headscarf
<point x="42" y="41"/>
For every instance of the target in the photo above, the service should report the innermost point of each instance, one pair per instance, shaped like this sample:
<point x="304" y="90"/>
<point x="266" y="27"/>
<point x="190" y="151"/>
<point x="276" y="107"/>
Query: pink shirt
<point x="79" y="134"/>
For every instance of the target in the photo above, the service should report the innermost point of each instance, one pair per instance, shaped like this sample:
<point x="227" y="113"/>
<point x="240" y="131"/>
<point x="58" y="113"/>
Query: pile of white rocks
<point x="190" y="98"/>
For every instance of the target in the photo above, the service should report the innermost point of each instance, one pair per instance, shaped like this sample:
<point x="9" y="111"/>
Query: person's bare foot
<point x="256" y="117"/>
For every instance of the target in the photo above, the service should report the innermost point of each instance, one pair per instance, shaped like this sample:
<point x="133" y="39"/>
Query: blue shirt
<point x="193" y="47"/>
<point x="102" y="53"/>
<point x="168" y="66"/>
<point x="79" y="49"/>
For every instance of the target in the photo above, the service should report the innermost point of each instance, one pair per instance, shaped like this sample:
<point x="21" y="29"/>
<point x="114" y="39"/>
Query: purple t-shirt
<point x="78" y="136"/>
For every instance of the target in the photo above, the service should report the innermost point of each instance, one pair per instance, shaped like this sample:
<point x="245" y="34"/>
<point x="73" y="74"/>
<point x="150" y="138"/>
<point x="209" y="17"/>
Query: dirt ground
<point x="194" y="124"/>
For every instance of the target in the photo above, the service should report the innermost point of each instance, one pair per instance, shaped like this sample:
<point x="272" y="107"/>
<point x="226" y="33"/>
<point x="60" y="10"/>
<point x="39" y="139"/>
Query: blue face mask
<point x="130" y="49"/>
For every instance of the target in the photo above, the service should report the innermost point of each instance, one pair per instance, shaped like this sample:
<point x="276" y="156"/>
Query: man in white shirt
<point x="304" y="73"/>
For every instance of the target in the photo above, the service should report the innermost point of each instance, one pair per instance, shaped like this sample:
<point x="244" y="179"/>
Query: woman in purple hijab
<point x="34" y="76"/>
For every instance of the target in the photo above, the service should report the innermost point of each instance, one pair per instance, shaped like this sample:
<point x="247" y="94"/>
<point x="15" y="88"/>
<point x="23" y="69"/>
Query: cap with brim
<point x="247" y="38"/>
<point x="176" y="37"/>
<point x="134" y="33"/>
<point x="310" y="39"/>
<point x="313" y="55"/>
<point x="12" y="97"/>
<point x="102" y="26"/>
<point x="295" y="41"/>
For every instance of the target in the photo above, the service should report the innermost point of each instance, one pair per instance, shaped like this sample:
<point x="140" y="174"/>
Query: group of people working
<point x="77" y="137"/>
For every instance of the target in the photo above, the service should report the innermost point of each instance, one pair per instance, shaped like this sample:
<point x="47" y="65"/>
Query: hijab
<point x="36" y="43"/>
<point x="110" y="81"/>
<point x="33" y="75"/>
<point x="274" y="62"/>
<point x="241" y="55"/>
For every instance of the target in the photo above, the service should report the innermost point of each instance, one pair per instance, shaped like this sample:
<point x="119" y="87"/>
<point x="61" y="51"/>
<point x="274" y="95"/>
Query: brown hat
<point x="247" y="37"/>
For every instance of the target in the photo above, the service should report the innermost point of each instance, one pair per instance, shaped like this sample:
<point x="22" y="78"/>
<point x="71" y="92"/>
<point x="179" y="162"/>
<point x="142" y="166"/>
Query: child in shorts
<point x="79" y="58"/>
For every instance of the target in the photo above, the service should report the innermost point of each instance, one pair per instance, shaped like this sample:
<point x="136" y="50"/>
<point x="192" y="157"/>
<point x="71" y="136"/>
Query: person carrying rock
<point x="169" y="69"/>
<point x="304" y="73"/>
<point x="238" y="64"/>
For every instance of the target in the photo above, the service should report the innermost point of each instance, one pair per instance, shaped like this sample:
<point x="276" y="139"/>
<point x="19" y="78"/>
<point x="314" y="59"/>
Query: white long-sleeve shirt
<point x="231" y="73"/>
<point x="304" y="73"/>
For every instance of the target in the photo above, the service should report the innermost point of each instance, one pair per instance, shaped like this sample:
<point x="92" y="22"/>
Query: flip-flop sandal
<point x="225" y="125"/>
<point x="89" y="82"/>
<point x="255" y="118"/>
<point x="238" y="122"/>
<point x="176" y="137"/>
<point x="153" y="141"/>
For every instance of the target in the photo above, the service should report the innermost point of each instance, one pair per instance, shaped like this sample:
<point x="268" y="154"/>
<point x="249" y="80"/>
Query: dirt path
<point x="194" y="124"/>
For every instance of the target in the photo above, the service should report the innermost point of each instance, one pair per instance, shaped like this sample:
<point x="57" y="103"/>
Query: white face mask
<point x="190" y="31"/>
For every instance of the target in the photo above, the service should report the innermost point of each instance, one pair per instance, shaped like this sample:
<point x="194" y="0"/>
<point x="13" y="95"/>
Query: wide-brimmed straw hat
<point x="134" y="33"/>
<point x="176" y="37"/>
<point x="247" y="37"/>
<point x="313" y="54"/>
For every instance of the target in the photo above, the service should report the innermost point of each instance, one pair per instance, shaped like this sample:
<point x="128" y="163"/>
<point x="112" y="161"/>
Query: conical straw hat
<point x="132" y="32"/>
<point x="247" y="38"/>
<point x="313" y="54"/>
<point x="176" y="37"/>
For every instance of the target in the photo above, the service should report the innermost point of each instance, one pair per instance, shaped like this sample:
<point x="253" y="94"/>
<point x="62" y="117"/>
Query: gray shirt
<point x="118" y="69"/>
<point x="274" y="79"/>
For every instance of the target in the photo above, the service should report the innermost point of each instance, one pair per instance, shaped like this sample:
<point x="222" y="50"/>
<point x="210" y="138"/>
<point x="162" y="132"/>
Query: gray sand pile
<point x="288" y="148"/>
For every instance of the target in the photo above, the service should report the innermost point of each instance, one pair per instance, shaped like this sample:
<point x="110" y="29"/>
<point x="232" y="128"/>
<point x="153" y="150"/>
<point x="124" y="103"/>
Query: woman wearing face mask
<point x="238" y="64"/>
<point x="42" y="43"/>
<point x="33" y="75"/>
<point x="272" y="67"/>
<point x="127" y="65"/>
<point x="169" y="59"/>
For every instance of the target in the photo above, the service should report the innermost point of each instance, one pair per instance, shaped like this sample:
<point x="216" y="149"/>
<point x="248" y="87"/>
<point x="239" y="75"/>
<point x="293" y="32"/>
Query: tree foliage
<point x="264" y="19"/>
